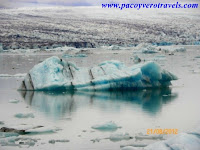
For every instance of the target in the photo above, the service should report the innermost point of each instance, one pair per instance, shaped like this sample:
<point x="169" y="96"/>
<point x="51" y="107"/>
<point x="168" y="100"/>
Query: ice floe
<point x="57" y="74"/>
<point x="108" y="126"/>
<point x="120" y="136"/>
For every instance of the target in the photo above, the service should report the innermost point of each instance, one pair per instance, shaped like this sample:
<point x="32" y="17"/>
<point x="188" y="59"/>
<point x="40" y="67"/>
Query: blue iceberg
<point x="57" y="74"/>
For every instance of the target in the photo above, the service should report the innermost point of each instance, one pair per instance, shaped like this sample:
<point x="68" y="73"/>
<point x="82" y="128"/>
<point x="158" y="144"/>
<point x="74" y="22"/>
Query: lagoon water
<point x="73" y="113"/>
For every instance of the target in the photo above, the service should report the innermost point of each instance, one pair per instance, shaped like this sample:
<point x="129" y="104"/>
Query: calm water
<point x="75" y="113"/>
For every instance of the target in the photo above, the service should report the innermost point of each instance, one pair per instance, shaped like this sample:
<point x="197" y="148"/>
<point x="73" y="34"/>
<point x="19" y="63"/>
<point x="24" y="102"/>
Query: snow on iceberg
<point x="57" y="74"/>
<point x="108" y="126"/>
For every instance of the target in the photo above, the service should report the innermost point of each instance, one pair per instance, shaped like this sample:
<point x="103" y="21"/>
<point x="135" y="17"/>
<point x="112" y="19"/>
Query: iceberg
<point x="57" y="74"/>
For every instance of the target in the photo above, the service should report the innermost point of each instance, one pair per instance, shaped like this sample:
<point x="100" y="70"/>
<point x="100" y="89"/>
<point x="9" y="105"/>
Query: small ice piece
<point x="21" y="115"/>
<point x="52" y="141"/>
<point x="42" y="130"/>
<point x="128" y="148"/>
<point x="147" y="48"/>
<point x="95" y="140"/>
<point x="172" y="49"/>
<point x="150" y="137"/>
<point x="136" y="59"/>
<point x="15" y="75"/>
<point x="8" y="134"/>
<point x="114" y="47"/>
<point x="141" y="145"/>
<point x="120" y="136"/>
<point x="15" y="101"/>
<point x="1" y="123"/>
<point x="61" y="141"/>
<point x="81" y="55"/>
<point x="26" y="141"/>
<point x="57" y="74"/>
<point x="76" y="55"/>
<point x="108" y="126"/>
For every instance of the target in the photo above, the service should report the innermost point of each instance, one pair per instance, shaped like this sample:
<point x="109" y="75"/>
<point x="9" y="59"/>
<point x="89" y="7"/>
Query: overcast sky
<point x="18" y="3"/>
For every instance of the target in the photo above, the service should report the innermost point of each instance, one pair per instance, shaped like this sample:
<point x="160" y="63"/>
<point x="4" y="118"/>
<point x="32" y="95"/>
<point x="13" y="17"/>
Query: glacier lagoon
<point x="68" y="117"/>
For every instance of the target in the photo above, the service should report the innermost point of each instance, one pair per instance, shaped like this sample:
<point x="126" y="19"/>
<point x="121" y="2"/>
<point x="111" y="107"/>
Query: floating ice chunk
<point x="150" y="137"/>
<point x="141" y="145"/>
<point x="159" y="58"/>
<point x="178" y="142"/>
<point x="120" y="136"/>
<point x="61" y="141"/>
<point x="8" y="134"/>
<point x="95" y="140"/>
<point x="108" y="126"/>
<point x="147" y="48"/>
<point x="15" y="101"/>
<point x="171" y="49"/>
<point x="26" y="141"/>
<point x="114" y="47"/>
<point x="136" y="59"/>
<point x="149" y="51"/>
<point x="77" y="55"/>
<point x="128" y="148"/>
<point x="15" y="75"/>
<point x="57" y="74"/>
<point x="42" y="130"/>
<point x="180" y="49"/>
<point x="28" y="115"/>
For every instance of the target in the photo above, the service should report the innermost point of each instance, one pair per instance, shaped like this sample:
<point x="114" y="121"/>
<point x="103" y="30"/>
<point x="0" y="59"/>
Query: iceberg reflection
<point x="59" y="105"/>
